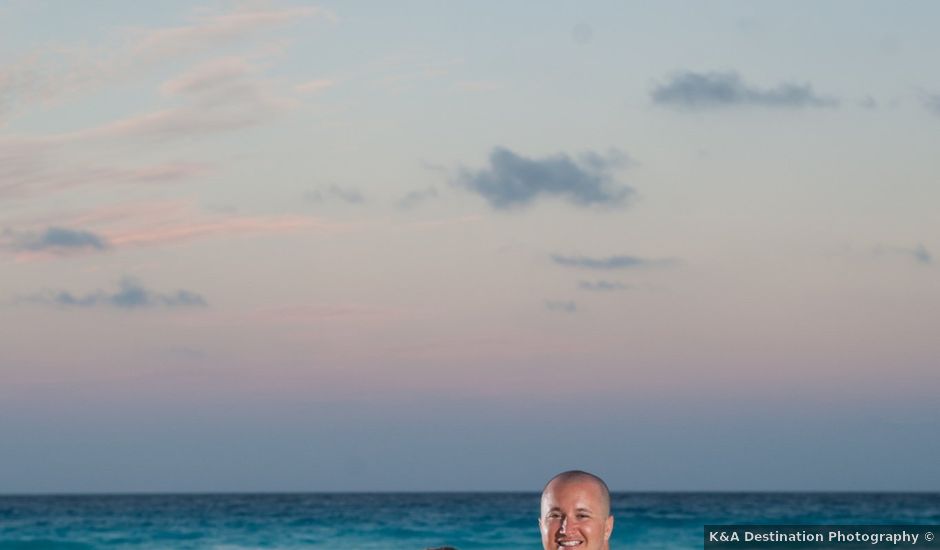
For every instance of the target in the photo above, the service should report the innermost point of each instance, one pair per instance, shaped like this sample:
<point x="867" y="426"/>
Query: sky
<point x="374" y="246"/>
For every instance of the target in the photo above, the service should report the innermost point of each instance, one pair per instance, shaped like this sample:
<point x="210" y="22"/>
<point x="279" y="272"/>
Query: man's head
<point x="576" y="512"/>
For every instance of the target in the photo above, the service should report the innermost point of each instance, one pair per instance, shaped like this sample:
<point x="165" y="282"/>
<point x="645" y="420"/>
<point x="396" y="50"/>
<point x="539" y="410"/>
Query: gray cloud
<point x="868" y="102"/>
<point x="129" y="295"/>
<point x="690" y="90"/>
<point x="611" y="262"/>
<point x="413" y="198"/>
<point x="932" y="103"/>
<point x="58" y="238"/>
<point x="582" y="33"/>
<point x="919" y="253"/>
<point x="512" y="180"/>
<point x="601" y="286"/>
<point x="335" y="192"/>
<point x="561" y="306"/>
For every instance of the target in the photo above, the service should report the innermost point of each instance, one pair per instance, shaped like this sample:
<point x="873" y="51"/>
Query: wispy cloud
<point x="932" y="102"/>
<point x="55" y="240"/>
<point x="208" y="77"/>
<point x="561" y="306"/>
<point x="211" y="31"/>
<point x="185" y="231"/>
<point x="478" y="85"/>
<point x="314" y="86"/>
<point x="335" y="192"/>
<point x="601" y="286"/>
<point x="401" y="73"/>
<point x="222" y="94"/>
<point x="413" y="198"/>
<point x="131" y="213"/>
<point x="28" y="167"/>
<point x="166" y="222"/>
<point x="691" y="90"/>
<point x="129" y="295"/>
<point x="919" y="253"/>
<point x="52" y="73"/>
<point x="512" y="180"/>
<point x="610" y="262"/>
<point x="868" y="102"/>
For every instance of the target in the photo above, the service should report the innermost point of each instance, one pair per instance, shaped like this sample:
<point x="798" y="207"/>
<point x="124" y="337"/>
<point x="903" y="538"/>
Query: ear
<point x="608" y="527"/>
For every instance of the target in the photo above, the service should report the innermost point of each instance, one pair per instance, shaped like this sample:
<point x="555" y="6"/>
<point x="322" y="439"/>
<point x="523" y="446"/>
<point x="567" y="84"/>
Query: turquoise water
<point x="391" y="521"/>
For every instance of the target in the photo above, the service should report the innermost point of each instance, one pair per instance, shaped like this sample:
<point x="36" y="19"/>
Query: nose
<point x="563" y="526"/>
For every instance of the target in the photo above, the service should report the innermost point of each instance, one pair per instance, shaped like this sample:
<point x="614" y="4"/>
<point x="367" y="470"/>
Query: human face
<point x="574" y="516"/>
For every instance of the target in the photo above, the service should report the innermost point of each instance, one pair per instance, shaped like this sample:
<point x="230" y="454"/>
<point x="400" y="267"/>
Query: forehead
<point x="572" y="494"/>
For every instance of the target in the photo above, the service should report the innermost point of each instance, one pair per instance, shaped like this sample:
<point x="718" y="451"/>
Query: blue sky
<point x="364" y="246"/>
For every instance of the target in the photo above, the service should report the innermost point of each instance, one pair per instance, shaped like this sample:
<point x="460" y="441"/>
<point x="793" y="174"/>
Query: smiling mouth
<point x="568" y="543"/>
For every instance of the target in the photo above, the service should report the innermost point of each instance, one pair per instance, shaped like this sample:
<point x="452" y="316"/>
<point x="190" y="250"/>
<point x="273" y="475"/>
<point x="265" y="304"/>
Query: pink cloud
<point x="177" y="122"/>
<point x="218" y="96"/>
<point x="167" y="172"/>
<point x="221" y="95"/>
<point x="22" y="164"/>
<point x="28" y="166"/>
<point x="49" y="73"/>
<point x="111" y="175"/>
<point x="405" y="75"/>
<point x="208" y="76"/>
<point x="160" y="223"/>
<point x="214" y="30"/>
<point x="116" y="213"/>
<point x="184" y="231"/>
<point x="479" y="85"/>
<point x="314" y="86"/>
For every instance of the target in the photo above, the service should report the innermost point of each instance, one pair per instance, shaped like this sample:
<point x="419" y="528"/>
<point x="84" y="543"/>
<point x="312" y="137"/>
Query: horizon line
<point x="468" y="492"/>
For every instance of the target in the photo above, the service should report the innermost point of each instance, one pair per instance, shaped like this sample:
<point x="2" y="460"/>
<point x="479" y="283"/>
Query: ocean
<point x="412" y="521"/>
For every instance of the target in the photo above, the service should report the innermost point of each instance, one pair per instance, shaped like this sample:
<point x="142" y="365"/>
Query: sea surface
<point x="391" y="521"/>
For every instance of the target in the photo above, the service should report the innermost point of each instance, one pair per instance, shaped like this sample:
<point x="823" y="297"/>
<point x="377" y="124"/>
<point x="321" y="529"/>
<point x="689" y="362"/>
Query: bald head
<point x="580" y="476"/>
<point x="576" y="512"/>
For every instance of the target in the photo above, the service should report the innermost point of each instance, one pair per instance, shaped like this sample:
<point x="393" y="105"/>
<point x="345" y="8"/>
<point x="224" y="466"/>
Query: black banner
<point x="820" y="537"/>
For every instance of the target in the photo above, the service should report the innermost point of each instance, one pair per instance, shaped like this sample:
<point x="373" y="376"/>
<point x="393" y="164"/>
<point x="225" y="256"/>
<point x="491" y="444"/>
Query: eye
<point x="553" y="515"/>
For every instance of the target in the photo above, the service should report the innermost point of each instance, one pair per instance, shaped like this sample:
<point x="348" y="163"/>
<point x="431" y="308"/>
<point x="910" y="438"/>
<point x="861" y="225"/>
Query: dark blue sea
<point x="411" y="521"/>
